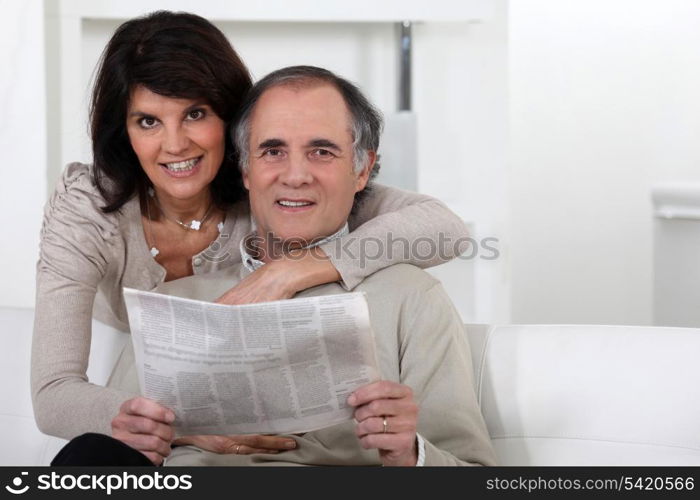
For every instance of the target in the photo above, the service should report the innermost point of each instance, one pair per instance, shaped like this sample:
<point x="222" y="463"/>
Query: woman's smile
<point x="183" y="168"/>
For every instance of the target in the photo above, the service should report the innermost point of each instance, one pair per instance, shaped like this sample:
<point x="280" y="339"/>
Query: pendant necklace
<point x="154" y="249"/>
<point x="194" y="225"/>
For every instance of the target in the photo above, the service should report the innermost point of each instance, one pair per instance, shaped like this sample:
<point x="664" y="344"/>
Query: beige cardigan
<point x="86" y="257"/>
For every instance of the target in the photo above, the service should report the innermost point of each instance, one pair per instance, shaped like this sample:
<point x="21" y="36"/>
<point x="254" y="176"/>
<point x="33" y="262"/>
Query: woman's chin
<point x="181" y="189"/>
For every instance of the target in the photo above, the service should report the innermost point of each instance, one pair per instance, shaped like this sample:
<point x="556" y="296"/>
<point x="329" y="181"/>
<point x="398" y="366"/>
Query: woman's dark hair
<point x="174" y="54"/>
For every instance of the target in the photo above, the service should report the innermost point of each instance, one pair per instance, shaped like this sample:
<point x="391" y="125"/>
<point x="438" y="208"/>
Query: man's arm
<point x="436" y="364"/>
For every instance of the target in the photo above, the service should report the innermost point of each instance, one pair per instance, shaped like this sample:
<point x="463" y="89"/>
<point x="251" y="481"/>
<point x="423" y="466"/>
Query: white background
<point x="543" y="124"/>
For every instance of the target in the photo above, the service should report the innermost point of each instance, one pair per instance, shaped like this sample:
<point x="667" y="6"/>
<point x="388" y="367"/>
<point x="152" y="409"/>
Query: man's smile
<point x="294" y="204"/>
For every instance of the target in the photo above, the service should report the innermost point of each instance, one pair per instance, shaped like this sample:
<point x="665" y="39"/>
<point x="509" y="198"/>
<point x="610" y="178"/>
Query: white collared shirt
<point x="253" y="264"/>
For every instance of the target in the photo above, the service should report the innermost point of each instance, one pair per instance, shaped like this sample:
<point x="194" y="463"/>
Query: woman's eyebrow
<point x="141" y="114"/>
<point x="195" y="105"/>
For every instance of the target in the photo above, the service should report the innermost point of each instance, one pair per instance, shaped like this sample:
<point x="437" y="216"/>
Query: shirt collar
<point x="253" y="264"/>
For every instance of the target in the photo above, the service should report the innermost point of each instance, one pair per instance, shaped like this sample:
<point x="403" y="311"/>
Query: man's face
<point x="300" y="172"/>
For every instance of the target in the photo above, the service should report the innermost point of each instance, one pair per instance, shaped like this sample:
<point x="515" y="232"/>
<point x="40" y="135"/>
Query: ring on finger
<point x="238" y="448"/>
<point x="385" y="424"/>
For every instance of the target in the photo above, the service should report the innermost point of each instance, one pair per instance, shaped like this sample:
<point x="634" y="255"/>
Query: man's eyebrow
<point x="271" y="143"/>
<point x="323" y="143"/>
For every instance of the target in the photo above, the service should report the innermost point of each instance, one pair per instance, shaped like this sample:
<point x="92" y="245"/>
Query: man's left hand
<point x="387" y="417"/>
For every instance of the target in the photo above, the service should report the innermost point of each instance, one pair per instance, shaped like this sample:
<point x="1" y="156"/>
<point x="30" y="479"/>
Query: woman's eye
<point x="148" y="122"/>
<point x="195" y="114"/>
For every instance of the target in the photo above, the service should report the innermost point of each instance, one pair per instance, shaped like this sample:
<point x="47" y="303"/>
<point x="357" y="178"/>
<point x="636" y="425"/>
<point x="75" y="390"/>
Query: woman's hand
<point x="281" y="279"/>
<point x="146" y="426"/>
<point x="243" y="444"/>
<point x="386" y="418"/>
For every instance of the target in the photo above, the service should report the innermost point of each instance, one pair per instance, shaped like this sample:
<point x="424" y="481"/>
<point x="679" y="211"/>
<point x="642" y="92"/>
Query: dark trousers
<point x="99" y="450"/>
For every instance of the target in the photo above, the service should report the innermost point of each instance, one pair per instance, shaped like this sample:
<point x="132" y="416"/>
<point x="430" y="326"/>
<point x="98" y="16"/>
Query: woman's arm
<point x="73" y="258"/>
<point x="391" y="226"/>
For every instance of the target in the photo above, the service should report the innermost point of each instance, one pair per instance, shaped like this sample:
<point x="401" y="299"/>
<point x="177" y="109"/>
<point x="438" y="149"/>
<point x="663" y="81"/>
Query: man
<point x="308" y="142"/>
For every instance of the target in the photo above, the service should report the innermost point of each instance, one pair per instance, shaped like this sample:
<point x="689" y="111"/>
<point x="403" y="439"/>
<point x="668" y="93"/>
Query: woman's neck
<point x="187" y="209"/>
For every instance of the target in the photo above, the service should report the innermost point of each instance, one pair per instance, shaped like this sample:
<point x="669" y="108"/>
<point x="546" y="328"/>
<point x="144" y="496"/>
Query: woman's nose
<point x="175" y="141"/>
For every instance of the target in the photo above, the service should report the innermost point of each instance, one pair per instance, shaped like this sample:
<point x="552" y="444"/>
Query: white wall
<point x="23" y="146"/>
<point x="604" y="101"/>
<point x="459" y="94"/>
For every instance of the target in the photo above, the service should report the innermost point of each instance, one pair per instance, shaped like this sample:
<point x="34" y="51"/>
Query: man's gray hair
<point x="366" y="121"/>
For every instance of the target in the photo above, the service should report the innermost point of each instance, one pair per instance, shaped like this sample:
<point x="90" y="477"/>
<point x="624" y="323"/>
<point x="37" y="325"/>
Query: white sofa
<point x="551" y="395"/>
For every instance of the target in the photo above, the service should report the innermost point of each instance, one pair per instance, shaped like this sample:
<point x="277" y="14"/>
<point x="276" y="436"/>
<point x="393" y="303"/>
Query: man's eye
<point x="148" y="122"/>
<point x="195" y="114"/>
<point x="322" y="154"/>
<point x="273" y="154"/>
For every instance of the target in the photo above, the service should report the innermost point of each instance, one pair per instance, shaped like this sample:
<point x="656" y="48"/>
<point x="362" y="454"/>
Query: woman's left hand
<point x="387" y="417"/>
<point x="240" y="444"/>
<point x="283" y="278"/>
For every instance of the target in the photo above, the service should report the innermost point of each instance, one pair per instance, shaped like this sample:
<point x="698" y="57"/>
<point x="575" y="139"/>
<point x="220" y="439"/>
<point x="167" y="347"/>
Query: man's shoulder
<point x="399" y="278"/>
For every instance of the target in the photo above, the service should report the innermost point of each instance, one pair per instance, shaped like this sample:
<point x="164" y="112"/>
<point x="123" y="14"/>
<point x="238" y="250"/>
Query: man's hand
<point x="144" y="425"/>
<point x="243" y="444"/>
<point x="389" y="402"/>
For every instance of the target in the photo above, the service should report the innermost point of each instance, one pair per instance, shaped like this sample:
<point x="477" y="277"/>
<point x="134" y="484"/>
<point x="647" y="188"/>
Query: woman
<point x="164" y="200"/>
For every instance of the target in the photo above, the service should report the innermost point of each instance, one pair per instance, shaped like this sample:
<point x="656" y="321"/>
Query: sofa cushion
<point x="591" y="395"/>
<point x="22" y="442"/>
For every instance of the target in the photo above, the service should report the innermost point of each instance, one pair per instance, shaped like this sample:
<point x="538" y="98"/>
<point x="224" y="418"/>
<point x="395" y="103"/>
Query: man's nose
<point x="297" y="172"/>
<point x="175" y="141"/>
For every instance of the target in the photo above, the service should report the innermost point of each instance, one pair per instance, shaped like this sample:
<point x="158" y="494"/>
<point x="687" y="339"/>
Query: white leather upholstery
<point x="22" y="442"/>
<point x="551" y="395"/>
<point x="590" y="395"/>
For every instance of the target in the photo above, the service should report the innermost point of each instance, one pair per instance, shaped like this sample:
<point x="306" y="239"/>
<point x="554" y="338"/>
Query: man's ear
<point x="363" y="177"/>
<point x="246" y="182"/>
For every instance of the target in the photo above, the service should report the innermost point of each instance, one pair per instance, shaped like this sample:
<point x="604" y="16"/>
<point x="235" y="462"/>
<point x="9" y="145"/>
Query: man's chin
<point x="291" y="241"/>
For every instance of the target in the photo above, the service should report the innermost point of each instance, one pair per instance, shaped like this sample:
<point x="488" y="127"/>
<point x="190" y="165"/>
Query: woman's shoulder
<point x="77" y="200"/>
<point x="77" y="177"/>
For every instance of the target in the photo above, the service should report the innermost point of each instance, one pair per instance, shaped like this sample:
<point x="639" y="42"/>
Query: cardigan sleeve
<point x="74" y="252"/>
<point x="393" y="226"/>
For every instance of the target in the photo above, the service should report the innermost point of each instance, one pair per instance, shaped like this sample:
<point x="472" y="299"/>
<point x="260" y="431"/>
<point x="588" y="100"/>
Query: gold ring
<point x="238" y="448"/>
<point x="385" y="424"/>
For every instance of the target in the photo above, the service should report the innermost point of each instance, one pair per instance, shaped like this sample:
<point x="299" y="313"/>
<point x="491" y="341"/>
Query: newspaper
<point x="275" y="367"/>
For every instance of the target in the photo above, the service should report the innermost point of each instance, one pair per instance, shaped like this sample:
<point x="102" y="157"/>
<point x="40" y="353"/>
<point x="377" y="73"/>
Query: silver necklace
<point x="194" y="225"/>
<point x="154" y="249"/>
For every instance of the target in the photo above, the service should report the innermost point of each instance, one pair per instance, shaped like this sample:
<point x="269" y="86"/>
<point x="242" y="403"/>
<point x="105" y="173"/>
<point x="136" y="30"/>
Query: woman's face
<point x="179" y="143"/>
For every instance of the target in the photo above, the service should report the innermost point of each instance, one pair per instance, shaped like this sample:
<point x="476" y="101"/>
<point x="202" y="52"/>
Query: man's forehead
<point x="290" y="107"/>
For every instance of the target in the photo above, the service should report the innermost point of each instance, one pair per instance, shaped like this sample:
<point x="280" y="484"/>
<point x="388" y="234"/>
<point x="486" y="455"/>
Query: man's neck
<point x="260" y="248"/>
